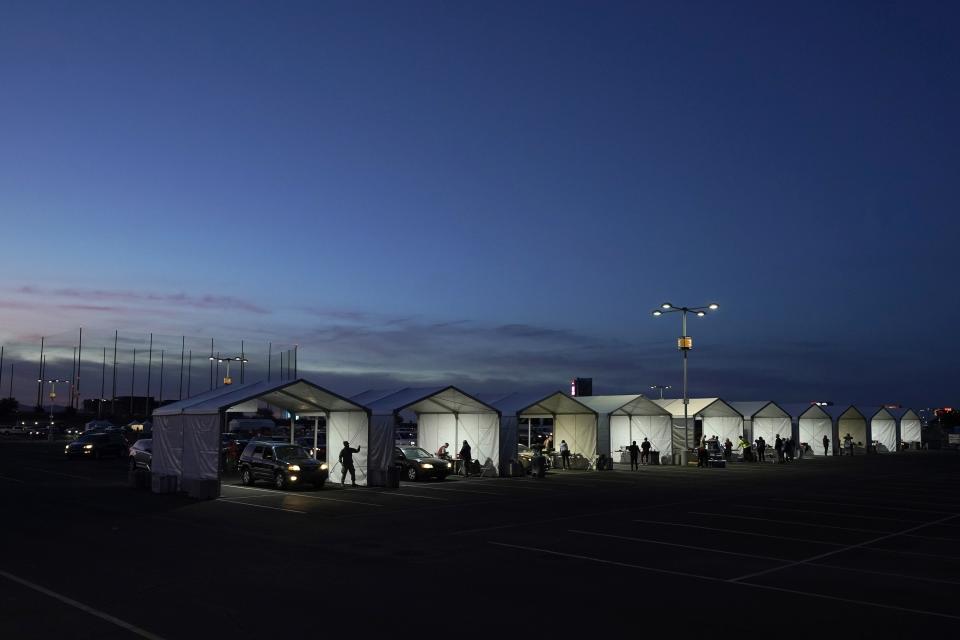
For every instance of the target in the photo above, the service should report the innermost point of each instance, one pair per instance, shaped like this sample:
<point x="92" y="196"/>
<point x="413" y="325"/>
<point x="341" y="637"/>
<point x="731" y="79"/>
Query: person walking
<point x="826" y="445"/>
<point x="761" y="448"/>
<point x="702" y="455"/>
<point x="346" y="460"/>
<point x="465" y="458"/>
<point x="645" y="451"/>
<point x="727" y="449"/>
<point x="634" y="455"/>
<point x="848" y="444"/>
<point x="565" y="454"/>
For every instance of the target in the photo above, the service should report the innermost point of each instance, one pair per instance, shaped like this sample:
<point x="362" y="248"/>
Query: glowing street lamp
<point x="660" y="388"/>
<point x="228" y="359"/>
<point x="53" y="392"/>
<point x="685" y="344"/>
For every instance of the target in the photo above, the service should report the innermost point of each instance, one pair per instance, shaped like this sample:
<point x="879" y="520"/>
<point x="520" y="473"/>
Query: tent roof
<point x="296" y="396"/>
<point x="536" y="405"/>
<point x="876" y="412"/>
<point x="838" y="411"/>
<point x="706" y="407"/>
<point x="760" y="409"/>
<point x="624" y="405"/>
<point x="799" y="410"/>
<point x="423" y="400"/>
<point x="904" y="413"/>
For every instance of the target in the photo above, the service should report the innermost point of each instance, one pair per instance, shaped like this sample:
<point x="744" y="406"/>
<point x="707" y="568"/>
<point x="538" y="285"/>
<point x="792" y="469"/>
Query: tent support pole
<point x="316" y="428"/>
<point x="293" y="425"/>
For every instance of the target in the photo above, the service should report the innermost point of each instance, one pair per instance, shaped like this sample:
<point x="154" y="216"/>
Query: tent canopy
<point x="904" y="413"/>
<point x="760" y="409"/>
<point x="557" y="403"/>
<point x="806" y="410"/>
<point x="423" y="400"/>
<point x="296" y="396"/>
<point x="706" y="407"/>
<point x="623" y="405"/>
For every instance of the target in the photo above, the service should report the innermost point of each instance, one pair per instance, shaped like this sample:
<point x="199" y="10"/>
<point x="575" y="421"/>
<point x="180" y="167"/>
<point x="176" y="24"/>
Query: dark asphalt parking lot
<point x="864" y="547"/>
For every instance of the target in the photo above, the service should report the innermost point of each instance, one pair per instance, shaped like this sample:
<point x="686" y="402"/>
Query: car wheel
<point x="246" y="477"/>
<point x="278" y="481"/>
<point x="411" y="473"/>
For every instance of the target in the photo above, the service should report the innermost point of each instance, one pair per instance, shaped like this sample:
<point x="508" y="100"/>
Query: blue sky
<point x="494" y="193"/>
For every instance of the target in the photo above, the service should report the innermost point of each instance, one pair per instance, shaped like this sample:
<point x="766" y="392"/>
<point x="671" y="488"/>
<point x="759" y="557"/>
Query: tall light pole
<point x="227" y="380"/>
<point x="685" y="344"/>
<point x="53" y="392"/>
<point x="661" y="388"/>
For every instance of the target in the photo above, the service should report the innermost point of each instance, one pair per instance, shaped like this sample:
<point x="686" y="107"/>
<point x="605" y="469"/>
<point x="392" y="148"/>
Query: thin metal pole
<point x="1" y="366"/>
<point x="296" y="348"/>
<point x="103" y="388"/>
<point x="217" y="379"/>
<point x="211" y="363"/>
<point x="183" y="345"/>
<point x="146" y="408"/>
<point x="133" y="380"/>
<point x="113" y="391"/>
<point x="40" y="374"/>
<point x="73" y="373"/>
<point x="189" y="371"/>
<point x="269" y="359"/>
<point x="159" y="402"/>
<point x="243" y="359"/>
<point x="281" y="365"/>
<point x="79" y="360"/>
<point x="11" y="379"/>
<point x="686" y="418"/>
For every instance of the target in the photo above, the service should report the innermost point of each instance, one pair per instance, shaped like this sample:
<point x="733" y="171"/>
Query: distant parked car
<point x="141" y="455"/>
<point x="96" y="445"/>
<point x="16" y="431"/>
<point x="416" y="463"/>
<point x="281" y="464"/>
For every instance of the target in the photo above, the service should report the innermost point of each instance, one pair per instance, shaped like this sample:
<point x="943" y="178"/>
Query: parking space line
<point x="56" y="473"/>
<point x="853" y="504"/>
<point x="741" y="532"/>
<point x="834" y="513"/>
<point x="12" y="480"/>
<point x="844" y="549"/>
<point x="259" y="506"/>
<point x="675" y="544"/>
<point x="902" y="576"/>
<point x="751" y="585"/>
<point x="82" y="607"/>
<point x="277" y="492"/>
<point x="431" y="488"/>
<point x="819" y="526"/>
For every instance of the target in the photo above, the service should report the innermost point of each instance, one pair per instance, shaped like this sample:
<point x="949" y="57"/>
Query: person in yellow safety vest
<point x="747" y="449"/>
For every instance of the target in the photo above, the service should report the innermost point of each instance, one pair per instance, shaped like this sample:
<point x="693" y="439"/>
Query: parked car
<point x="281" y="464"/>
<point x="415" y="463"/>
<point x="97" y="445"/>
<point x="16" y="431"/>
<point x="141" y="454"/>
<point x="525" y="458"/>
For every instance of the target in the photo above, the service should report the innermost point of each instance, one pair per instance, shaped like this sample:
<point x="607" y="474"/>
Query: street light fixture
<point x="53" y="392"/>
<point x="227" y="380"/>
<point x="685" y="344"/>
<point x="660" y="388"/>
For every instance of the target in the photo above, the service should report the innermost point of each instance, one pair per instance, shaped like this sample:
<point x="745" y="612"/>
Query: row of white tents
<point x="187" y="443"/>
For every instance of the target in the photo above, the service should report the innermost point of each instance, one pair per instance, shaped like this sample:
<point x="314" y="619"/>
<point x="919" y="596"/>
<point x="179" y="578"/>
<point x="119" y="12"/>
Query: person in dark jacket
<point x="761" y="447"/>
<point x="346" y="460"/>
<point x="826" y="445"/>
<point x="778" y="446"/>
<point x="645" y="451"/>
<point x="465" y="457"/>
<point x="634" y="456"/>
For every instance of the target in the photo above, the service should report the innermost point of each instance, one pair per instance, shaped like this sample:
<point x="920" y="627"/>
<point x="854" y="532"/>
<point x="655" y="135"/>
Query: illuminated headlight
<point x="426" y="465"/>
<point x="88" y="446"/>
<point x="66" y="448"/>
<point x="293" y="478"/>
<point x="449" y="465"/>
<point x="324" y="467"/>
<point x="293" y="467"/>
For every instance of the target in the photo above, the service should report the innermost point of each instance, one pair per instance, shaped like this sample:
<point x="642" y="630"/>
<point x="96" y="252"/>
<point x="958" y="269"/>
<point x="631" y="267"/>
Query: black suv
<point x="415" y="463"/>
<point x="280" y="463"/>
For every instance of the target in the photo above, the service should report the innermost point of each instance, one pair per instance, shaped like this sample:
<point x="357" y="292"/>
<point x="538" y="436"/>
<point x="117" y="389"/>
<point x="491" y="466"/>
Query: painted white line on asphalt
<point x="65" y="475"/>
<point x="82" y="607"/>
<point x="819" y="526"/>
<point x="750" y="585"/>
<point x="740" y="532"/>
<point x="853" y="504"/>
<point x="258" y="506"/>
<point x="842" y="550"/>
<point x="834" y="513"/>
<point x="433" y="488"/>
<point x="675" y="544"/>
<point x="12" y="479"/>
<point x="278" y="492"/>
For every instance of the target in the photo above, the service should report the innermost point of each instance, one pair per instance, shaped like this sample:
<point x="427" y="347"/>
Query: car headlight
<point x="66" y="448"/>
<point x="88" y="446"/>
<point x="293" y="478"/>
<point x="449" y="465"/>
<point x="426" y="465"/>
<point x="293" y="467"/>
<point x="324" y="467"/>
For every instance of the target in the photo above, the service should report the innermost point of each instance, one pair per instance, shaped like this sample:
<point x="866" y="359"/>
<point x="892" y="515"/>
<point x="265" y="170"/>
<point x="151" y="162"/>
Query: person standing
<point x="565" y="454"/>
<point x="761" y="448"/>
<point x="465" y="458"/>
<point x="727" y="449"/>
<point x="548" y="443"/>
<point x="442" y="452"/>
<point x="645" y="453"/>
<point x="788" y="449"/>
<point x="634" y="456"/>
<point x="702" y="455"/>
<point x="747" y="449"/>
<point x="826" y="445"/>
<point x="346" y="460"/>
<point x="778" y="447"/>
<point x="848" y="444"/>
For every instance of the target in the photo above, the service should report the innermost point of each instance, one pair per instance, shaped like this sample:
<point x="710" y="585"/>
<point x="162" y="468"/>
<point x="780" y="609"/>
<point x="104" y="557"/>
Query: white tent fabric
<point x="573" y="421"/>
<point x="883" y="431"/>
<point x="717" y="418"/>
<point x="908" y="425"/>
<point x="764" y="419"/>
<point x="444" y="414"/>
<point x="622" y="419"/>
<point x="813" y="423"/>
<point x="849" y="420"/>
<point x="186" y="434"/>
<point x="352" y="427"/>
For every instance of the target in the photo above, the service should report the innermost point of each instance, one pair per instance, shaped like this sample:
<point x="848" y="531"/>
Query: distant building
<point x="581" y="387"/>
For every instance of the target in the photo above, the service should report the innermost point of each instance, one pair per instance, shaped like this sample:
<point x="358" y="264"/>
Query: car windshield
<point x="415" y="452"/>
<point x="290" y="452"/>
<point x="91" y="437"/>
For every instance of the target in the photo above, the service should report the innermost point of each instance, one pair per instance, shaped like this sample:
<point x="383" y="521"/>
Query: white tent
<point x="883" y="430"/>
<point x="848" y="419"/>
<point x="444" y="414"/>
<point x="573" y="421"/>
<point x="764" y="419"/>
<point x="908" y="425"/>
<point x="813" y="423"/>
<point x="716" y="416"/>
<point x="623" y="419"/>
<point x="186" y="434"/>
